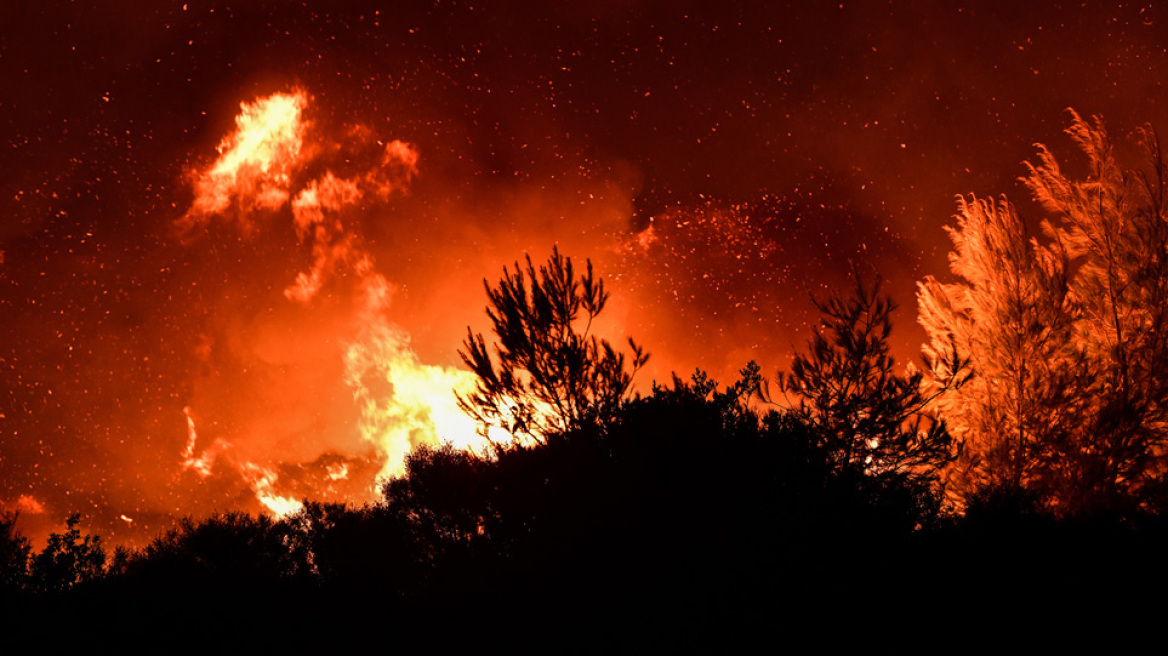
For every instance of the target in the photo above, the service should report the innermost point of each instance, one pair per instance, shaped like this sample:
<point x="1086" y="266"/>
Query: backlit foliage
<point x="1007" y="317"/>
<point x="1066" y="336"/>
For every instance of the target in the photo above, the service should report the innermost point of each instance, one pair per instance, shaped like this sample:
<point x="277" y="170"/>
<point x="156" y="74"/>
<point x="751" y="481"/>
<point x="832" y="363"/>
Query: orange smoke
<point x="24" y="504"/>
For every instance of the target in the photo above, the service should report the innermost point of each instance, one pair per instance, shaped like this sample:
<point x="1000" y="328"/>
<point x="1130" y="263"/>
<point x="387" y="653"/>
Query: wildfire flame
<point x="205" y="460"/>
<point x="403" y="403"/>
<point x="399" y="401"/>
<point x="255" y="161"/>
<point x="262" y="482"/>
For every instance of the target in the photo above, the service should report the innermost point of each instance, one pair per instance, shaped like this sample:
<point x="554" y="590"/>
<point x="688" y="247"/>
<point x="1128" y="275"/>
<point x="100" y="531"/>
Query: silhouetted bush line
<point x="690" y="511"/>
<point x="691" y="514"/>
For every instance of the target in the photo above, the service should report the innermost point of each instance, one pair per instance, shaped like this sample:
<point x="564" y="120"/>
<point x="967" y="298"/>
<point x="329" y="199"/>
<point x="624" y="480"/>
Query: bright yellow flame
<point x="255" y="160"/>
<point x="403" y="402"/>
<point x="338" y="472"/>
<point x="205" y="460"/>
<point x="189" y="460"/>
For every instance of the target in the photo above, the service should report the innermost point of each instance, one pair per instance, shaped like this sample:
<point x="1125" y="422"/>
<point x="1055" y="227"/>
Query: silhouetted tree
<point x="14" y="555"/>
<point x="448" y="503"/>
<point x="68" y="559"/>
<point x="442" y="494"/>
<point x="370" y="547"/>
<point x="867" y="418"/>
<point x="233" y="547"/>
<point x="546" y="373"/>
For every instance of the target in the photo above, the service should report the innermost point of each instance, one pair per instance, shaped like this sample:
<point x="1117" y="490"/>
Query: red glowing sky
<point x="767" y="146"/>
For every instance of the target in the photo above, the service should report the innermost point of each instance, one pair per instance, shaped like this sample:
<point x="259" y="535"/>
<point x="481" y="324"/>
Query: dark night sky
<point x="767" y="145"/>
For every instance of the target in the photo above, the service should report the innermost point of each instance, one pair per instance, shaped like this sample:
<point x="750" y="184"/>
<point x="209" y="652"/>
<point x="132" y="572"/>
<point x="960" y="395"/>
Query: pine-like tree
<point x="1114" y="227"/>
<point x="1007" y="320"/>
<point x="546" y="374"/>
<point x="1065" y="338"/>
<point x="867" y="418"/>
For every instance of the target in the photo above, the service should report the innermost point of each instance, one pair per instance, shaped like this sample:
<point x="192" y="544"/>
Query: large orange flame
<point x="399" y="402"/>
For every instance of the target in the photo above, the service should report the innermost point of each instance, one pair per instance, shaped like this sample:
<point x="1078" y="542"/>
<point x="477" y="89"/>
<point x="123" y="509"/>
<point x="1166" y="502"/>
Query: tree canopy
<point x="14" y="554"/>
<point x="546" y="373"/>
<point x="868" y="418"/>
<point x="69" y="559"/>
<point x="1066" y="336"/>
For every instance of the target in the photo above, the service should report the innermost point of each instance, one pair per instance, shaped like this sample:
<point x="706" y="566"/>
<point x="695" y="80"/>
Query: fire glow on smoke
<point x="289" y="270"/>
<point x="186" y="328"/>
<point x="266" y="178"/>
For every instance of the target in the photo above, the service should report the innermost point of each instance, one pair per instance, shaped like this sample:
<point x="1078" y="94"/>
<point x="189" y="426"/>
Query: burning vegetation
<point x="244" y="358"/>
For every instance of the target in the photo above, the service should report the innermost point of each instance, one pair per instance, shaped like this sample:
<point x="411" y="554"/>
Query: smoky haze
<point x="718" y="162"/>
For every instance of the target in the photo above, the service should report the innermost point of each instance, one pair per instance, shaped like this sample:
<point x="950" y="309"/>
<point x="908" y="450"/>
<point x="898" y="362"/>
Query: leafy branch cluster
<point x="867" y="416"/>
<point x="67" y="561"/>
<point x="547" y="373"/>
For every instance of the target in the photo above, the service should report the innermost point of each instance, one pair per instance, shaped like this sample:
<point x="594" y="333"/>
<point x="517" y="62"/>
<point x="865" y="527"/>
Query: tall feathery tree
<point x="1114" y="226"/>
<point x="1008" y="321"/>
<point x="1066" y="338"/>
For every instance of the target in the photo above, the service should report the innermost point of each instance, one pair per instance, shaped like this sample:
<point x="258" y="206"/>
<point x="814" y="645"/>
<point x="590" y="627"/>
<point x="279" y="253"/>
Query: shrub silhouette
<point x="68" y="560"/>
